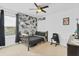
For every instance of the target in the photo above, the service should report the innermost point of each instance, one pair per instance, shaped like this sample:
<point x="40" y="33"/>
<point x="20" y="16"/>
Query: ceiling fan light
<point x="39" y="10"/>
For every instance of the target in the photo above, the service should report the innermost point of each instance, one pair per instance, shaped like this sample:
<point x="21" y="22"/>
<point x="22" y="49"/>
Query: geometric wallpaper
<point x="27" y="24"/>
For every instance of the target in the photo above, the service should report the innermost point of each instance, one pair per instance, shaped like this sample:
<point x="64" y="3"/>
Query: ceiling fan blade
<point x="36" y="5"/>
<point x="44" y="7"/>
<point x="32" y="9"/>
<point x="43" y="10"/>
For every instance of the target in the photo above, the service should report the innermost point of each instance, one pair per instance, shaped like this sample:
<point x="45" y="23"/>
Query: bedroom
<point x="52" y="23"/>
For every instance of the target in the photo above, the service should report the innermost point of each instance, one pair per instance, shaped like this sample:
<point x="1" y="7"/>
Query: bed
<point x="36" y="38"/>
<point x="33" y="40"/>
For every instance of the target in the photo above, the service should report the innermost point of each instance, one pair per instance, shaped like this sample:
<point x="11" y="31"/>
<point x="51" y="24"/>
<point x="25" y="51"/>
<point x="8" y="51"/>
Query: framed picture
<point x="66" y="21"/>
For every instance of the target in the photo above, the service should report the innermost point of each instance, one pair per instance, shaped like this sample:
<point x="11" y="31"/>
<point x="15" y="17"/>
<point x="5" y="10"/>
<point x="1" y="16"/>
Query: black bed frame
<point x="39" y="33"/>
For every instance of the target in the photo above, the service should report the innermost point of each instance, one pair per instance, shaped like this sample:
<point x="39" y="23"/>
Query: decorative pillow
<point x="40" y="33"/>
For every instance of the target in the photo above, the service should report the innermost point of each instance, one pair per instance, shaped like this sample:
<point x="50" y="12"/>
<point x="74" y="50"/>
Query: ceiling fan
<point x="40" y="8"/>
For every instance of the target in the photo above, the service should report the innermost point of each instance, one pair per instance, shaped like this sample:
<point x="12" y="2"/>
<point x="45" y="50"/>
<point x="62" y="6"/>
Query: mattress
<point x="33" y="40"/>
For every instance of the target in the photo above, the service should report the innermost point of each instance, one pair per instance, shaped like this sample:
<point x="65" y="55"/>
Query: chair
<point x="55" y="37"/>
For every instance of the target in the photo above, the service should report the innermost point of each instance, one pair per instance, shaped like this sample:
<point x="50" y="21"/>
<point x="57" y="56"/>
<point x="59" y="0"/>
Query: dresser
<point x="73" y="46"/>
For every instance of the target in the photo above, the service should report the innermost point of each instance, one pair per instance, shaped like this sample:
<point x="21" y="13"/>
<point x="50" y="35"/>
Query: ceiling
<point x="13" y="8"/>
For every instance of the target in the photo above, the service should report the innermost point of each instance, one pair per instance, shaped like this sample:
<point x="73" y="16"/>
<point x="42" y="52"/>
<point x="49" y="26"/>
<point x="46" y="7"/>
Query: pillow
<point x="40" y="33"/>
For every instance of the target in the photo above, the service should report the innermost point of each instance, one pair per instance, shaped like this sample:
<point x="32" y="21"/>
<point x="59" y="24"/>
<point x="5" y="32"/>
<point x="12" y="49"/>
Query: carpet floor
<point x="42" y="49"/>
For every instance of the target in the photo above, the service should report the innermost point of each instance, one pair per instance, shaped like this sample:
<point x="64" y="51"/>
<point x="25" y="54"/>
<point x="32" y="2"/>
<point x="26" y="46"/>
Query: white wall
<point x="54" y="23"/>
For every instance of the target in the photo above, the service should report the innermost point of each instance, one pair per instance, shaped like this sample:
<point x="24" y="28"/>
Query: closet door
<point x="2" y="36"/>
